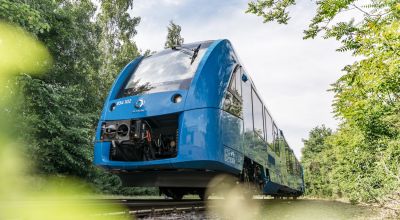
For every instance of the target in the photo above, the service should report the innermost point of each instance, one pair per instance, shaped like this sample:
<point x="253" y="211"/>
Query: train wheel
<point x="203" y="195"/>
<point x="177" y="196"/>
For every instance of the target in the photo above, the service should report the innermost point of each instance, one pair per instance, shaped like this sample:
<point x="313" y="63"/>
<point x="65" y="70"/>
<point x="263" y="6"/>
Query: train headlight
<point x="177" y="98"/>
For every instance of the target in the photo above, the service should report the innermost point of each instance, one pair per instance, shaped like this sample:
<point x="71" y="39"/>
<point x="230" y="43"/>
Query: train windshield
<point x="168" y="70"/>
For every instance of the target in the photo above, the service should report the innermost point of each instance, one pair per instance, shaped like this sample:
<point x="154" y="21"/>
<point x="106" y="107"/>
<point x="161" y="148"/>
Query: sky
<point x="292" y="75"/>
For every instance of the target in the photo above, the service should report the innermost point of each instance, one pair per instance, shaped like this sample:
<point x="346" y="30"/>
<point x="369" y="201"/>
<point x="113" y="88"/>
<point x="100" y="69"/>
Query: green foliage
<point x="360" y="160"/>
<point x="316" y="141"/>
<point x="58" y="111"/>
<point x="367" y="99"/>
<point x="326" y="15"/>
<point x="174" y="36"/>
<point x="368" y="94"/>
<point x="356" y="171"/>
<point x="317" y="162"/>
<point x="117" y="45"/>
<point x="108" y="183"/>
<point x="346" y="164"/>
<point x="59" y="133"/>
<point x="18" y="12"/>
<point x="271" y="10"/>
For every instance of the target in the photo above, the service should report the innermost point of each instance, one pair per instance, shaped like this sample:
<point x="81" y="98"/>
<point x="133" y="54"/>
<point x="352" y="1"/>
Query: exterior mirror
<point x="244" y="78"/>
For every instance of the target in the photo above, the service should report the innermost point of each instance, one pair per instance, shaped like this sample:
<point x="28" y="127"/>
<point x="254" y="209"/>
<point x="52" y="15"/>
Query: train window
<point x="287" y="156"/>
<point x="293" y="163"/>
<point x="258" y="115"/>
<point x="233" y="101"/>
<point x="247" y="108"/>
<point x="277" y="142"/>
<point x="275" y="132"/>
<point x="271" y="160"/>
<point x="232" y="104"/>
<point x="232" y="84"/>
<point x="235" y="84"/>
<point x="282" y="145"/>
<point x="297" y="166"/>
<point x="238" y="82"/>
<point x="290" y="161"/>
<point x="168" y="70"/>
<point x="268" y="127"/>
<point x="275" y="135"/>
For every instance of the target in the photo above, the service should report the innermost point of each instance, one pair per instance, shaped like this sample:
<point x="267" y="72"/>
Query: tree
<point x="174" y="36"/>
<point x="366" y="146"/>
<point x="271" y="10"/>
<point x="317" y="162"/>
<point x="118" y="30"/>
<point x="315" y="142"/>
<point x="60" y="109"/>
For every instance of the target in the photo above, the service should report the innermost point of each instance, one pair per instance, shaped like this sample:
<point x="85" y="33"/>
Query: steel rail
<point x="137" y="207"/>
<point x="154" y="207"/>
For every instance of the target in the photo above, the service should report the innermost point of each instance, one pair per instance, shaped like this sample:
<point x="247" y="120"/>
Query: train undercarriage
<point x="177" y="183"/>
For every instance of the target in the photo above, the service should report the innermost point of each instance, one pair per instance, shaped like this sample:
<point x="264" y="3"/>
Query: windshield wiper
<point x="195" y="52"/>
<point x="191" y="52"/>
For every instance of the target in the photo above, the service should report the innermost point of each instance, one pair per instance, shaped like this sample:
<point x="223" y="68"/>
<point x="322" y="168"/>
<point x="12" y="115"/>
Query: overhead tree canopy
<point x="271" y="10"/>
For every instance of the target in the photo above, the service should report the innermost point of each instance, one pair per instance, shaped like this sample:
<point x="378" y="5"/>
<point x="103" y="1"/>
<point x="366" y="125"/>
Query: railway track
<point x="153" y="208"/>
<point x="109" y="207"/>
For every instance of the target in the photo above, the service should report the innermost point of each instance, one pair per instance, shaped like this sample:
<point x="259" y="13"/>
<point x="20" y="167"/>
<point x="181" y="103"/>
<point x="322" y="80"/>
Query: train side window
<point x="233" y="100"/>
<point x="247" y="108"/>
<point x="232" y="83"/>
<point x="281" y="144"/>
<point x="268" y="127"/>
<point x="275" y="132"/>
<point x="238" y="81"/>
<point x="277" y="144"/>
<point x="289" y="160"/>
<point x="293" y="164"/>
<point x="258" y="121"/>
<point x="297" y="168"/>
<point x="235" y="84"/>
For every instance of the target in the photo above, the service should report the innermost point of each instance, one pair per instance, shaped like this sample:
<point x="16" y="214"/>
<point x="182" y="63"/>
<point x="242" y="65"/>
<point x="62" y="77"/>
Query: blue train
<point x="179" y="118"/>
